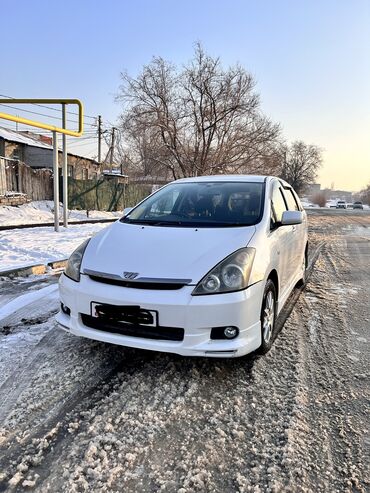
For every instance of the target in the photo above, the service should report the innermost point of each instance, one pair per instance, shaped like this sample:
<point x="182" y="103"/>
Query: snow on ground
<point x="43" y="211"/>
<point x="21" y="247"/>
<point x="26" y="299"/>
<point x="79" y="415"/>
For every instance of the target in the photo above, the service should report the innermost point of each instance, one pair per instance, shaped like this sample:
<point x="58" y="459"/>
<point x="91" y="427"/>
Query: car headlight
<point x="232" y="274"/>
<point x="74" y="262"/>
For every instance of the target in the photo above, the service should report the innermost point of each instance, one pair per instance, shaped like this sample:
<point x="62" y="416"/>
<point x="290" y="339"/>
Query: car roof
<point x="226" y="178"/>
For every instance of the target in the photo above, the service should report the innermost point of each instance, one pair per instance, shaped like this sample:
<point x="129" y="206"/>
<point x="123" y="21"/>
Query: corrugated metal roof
<point x="14" y="136"/>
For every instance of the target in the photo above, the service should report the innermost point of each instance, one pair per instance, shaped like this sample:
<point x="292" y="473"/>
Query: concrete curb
<point x="71" y="223"/>
<point x="35" y="269"/>
<point x="58" y="264"/>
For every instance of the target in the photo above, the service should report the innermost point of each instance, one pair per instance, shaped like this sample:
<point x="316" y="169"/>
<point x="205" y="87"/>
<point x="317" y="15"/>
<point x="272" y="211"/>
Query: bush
<point x="319" y="199"/>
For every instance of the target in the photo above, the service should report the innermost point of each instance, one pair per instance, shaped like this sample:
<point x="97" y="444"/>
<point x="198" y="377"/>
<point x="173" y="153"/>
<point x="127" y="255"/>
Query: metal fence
<point x="99" y="194"/>
<point x="104" y="195"/>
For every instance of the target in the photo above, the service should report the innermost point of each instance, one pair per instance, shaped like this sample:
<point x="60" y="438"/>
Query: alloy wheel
<point x="268" y="317"/>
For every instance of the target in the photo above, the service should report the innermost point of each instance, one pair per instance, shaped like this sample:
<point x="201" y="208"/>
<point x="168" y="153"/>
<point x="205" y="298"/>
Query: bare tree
<point x="319" y="198"/>
<point x="138" y="158"/>
<point x="300" y="164"/>
<point x="199" y="120"/>
<point x="364" y="195"/>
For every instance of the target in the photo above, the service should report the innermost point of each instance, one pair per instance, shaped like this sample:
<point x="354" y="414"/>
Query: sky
<point x="310" y="60"/>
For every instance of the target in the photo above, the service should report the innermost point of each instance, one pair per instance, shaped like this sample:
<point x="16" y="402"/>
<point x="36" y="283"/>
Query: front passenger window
<point x="277" y="204"/>
<point x="290" y="199"/>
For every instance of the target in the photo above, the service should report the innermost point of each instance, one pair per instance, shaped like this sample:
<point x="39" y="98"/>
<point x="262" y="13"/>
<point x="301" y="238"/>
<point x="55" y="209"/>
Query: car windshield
<point x="201" y="204"/>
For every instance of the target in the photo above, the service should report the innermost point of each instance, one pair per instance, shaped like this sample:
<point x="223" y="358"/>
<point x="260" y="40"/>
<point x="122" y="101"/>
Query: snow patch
<point x="26" y="299"/>
<point x="23" y="247"/>
<point x="42" y="211"/>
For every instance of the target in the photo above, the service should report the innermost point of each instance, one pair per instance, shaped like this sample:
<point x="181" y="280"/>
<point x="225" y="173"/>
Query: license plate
<point x="132" y="314"/>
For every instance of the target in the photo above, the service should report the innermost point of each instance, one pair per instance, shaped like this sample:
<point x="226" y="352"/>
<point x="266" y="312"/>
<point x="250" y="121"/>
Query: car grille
<point x="139" y="285"/>
<point x="134" y="330"/>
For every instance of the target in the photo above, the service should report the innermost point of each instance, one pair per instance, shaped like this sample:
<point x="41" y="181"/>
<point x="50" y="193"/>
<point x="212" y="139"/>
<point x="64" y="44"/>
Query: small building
<point x="37" y="152"/>
<point x="115" y="174"/>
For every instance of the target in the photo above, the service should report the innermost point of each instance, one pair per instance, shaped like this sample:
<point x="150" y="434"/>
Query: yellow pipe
<point x="46" y="126"/>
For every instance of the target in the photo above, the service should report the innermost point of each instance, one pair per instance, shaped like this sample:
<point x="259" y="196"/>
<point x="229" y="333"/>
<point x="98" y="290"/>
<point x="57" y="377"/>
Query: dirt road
<point x="78" y="415"/>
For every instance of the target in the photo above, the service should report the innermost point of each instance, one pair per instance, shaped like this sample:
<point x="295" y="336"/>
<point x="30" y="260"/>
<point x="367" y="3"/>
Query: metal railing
<point x="55" y="130"/>
<point x="46" y="126"/>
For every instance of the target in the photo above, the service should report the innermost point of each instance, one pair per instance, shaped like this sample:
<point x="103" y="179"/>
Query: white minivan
<point x="202" y="267"/>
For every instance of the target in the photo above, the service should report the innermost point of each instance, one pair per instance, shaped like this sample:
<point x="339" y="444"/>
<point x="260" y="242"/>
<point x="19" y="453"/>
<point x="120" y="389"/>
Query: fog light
<point x="65" y="309"/>
<point x="230" y="332"/>
<point x="222" y="333"/>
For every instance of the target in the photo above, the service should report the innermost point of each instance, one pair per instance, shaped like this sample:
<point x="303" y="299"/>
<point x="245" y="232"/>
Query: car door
<point x="280" y="239"/>
<point x="297" y="233"/>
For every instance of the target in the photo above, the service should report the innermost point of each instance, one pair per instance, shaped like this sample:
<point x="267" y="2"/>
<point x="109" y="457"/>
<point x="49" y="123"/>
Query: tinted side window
<point x="290" y="199"/>
<point x="297" y="200"/>
<point x="278" y="204"/>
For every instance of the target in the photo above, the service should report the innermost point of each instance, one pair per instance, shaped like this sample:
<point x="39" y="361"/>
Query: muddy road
<point x="78" y="415"/>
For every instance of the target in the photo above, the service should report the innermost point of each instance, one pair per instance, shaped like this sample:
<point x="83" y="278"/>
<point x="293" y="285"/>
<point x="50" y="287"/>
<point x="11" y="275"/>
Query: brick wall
<point x="14" y="200"/>
<point x="14" y="150"/>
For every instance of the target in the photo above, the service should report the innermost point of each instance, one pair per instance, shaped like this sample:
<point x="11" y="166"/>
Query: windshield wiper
<point x="186" y="224"/>
<point x="230" y="225"/>
<point x="151" y="222"/>
<point x="137" y="221"/>
<point x="170" y="223"/>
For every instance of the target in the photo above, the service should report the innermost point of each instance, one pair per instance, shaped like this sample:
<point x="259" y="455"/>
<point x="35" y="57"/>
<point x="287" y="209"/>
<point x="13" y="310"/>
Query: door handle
<point x="294" y="228"/>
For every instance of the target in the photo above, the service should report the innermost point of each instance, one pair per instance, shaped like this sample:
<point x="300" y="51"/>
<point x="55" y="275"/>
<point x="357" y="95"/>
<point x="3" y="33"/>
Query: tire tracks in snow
<point x="33" y="449"/>
<point x="240" y="425"/>
<point x="197" y="395"/>
<point x="324" y="447"/>
<point x="22" y="376"/>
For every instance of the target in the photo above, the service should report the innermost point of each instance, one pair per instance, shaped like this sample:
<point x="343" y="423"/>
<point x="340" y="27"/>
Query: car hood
<point x="162" y="252"/>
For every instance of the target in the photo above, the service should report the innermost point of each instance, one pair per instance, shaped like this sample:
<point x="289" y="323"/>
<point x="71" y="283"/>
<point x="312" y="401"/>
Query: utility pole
<point x="99" y="139"/>
<point x="112" y="148"/>
<point x="56" y="181"/>
<point x="65" y="168"/>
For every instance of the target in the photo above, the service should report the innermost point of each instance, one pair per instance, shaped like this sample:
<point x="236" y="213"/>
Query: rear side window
<point x="278" y="204"/>
<point x="290" y="199"/>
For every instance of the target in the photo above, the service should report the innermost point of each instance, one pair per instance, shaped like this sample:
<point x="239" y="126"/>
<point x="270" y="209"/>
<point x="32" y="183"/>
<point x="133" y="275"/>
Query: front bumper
<point x="176" y="308"/>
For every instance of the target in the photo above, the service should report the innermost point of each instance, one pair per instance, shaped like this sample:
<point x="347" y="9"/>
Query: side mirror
<point x="291" y="217"/>
<point x="126" y="210"/>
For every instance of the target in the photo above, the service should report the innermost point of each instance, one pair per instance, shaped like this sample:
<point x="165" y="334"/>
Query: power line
<point x="50" y="107"/>
<point x="88" y="134"/>
<point x="87" y="137"/>
<point x="76" y="144"/>
<point x="42" y="114"/>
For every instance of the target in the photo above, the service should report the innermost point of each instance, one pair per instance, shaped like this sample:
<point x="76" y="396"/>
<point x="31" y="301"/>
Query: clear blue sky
<point x="311" y="60"/>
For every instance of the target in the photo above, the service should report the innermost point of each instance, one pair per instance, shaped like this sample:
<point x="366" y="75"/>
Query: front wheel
<point x="268" y="315"/>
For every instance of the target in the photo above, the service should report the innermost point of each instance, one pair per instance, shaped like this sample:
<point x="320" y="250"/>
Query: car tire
<point x="268" y="317"/>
